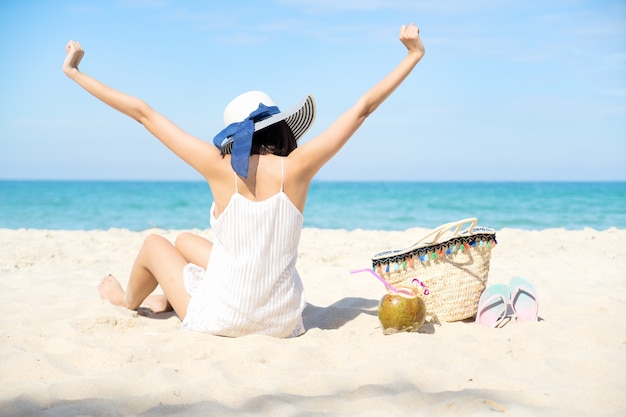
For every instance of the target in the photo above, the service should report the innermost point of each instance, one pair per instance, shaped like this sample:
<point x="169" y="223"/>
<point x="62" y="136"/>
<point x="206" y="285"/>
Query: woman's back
<point x="251" y="284"/>
<point x="264" y="181"/>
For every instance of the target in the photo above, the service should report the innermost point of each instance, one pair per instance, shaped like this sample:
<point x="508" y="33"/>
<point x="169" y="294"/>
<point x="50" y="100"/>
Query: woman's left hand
<point x="74" y="55"/>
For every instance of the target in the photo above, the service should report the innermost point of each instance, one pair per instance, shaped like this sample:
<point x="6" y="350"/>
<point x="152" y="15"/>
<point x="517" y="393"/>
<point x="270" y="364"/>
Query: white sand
<point x="64" y="352"/>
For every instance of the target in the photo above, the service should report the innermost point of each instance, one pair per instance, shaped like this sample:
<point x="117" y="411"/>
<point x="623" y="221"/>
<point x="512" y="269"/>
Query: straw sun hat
<point x="252" y="111"/>
<point x="299" y="117"/>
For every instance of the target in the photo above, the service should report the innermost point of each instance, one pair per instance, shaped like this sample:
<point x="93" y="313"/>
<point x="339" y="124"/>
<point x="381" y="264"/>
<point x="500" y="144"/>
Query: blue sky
<point x="507" y="90"/>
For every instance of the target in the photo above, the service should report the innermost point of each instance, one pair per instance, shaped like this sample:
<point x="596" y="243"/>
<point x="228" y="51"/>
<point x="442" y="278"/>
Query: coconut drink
<point x="401" y="310"/>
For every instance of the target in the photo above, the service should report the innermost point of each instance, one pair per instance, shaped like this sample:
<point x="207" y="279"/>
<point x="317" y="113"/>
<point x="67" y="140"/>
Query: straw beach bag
<point x="451" y="266"/>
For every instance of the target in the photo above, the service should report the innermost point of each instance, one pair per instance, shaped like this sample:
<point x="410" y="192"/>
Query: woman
<point x="259" y="179"/>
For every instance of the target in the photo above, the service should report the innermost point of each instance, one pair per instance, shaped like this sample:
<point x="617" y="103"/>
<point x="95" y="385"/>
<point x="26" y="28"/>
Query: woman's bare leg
<point x="158" y="263"/>
<point x="195" y="249"/>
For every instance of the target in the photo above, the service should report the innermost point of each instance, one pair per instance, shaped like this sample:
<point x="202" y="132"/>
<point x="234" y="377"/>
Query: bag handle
<point x="439" y="231"/>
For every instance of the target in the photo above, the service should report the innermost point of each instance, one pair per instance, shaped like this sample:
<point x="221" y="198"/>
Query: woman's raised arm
<point x="196" y="152"/>
<point x="315" y="153"/>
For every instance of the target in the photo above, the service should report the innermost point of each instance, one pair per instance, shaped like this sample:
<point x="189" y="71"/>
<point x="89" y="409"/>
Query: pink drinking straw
<point x="381" y="279"/>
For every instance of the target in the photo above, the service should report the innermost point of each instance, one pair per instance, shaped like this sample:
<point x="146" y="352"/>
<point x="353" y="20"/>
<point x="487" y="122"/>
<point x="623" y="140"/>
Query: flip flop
<point x="524" y="299"/>
<point x="493" y="305"/>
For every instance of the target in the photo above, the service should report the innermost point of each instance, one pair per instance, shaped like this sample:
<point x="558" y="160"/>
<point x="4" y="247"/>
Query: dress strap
<point x="282" y="173"/>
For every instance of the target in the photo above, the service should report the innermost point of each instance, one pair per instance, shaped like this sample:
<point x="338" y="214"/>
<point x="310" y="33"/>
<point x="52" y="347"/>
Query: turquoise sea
<point x="138" y="205"/>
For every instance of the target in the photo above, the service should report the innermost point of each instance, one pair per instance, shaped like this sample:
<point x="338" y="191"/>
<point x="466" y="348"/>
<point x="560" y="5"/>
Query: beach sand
<point x="64" y="352"/>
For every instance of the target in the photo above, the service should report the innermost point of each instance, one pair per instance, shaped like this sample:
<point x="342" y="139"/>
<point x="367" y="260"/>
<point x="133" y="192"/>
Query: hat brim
<point x="299" y="118"/>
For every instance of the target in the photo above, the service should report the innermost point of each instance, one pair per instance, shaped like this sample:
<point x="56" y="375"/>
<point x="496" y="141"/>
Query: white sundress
<point x="251" y="284"/>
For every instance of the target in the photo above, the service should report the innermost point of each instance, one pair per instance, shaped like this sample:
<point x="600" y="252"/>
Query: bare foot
<point x="157" y="303"/>
<point x="111" y="290"/>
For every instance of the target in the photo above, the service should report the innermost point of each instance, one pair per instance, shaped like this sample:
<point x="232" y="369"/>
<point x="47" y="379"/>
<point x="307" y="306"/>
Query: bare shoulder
<point x="297" y="179"/>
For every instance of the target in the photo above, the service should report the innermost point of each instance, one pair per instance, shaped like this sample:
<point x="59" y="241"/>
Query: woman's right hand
<point x="74" y="55"/>
<point x="410" y="37"/>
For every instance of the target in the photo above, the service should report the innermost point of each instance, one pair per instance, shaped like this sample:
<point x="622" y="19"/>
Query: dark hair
<point x="276" y="139"/>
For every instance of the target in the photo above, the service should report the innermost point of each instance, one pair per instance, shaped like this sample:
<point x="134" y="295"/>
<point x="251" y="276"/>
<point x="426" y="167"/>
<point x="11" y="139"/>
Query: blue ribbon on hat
<point x="242" y="137"/>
